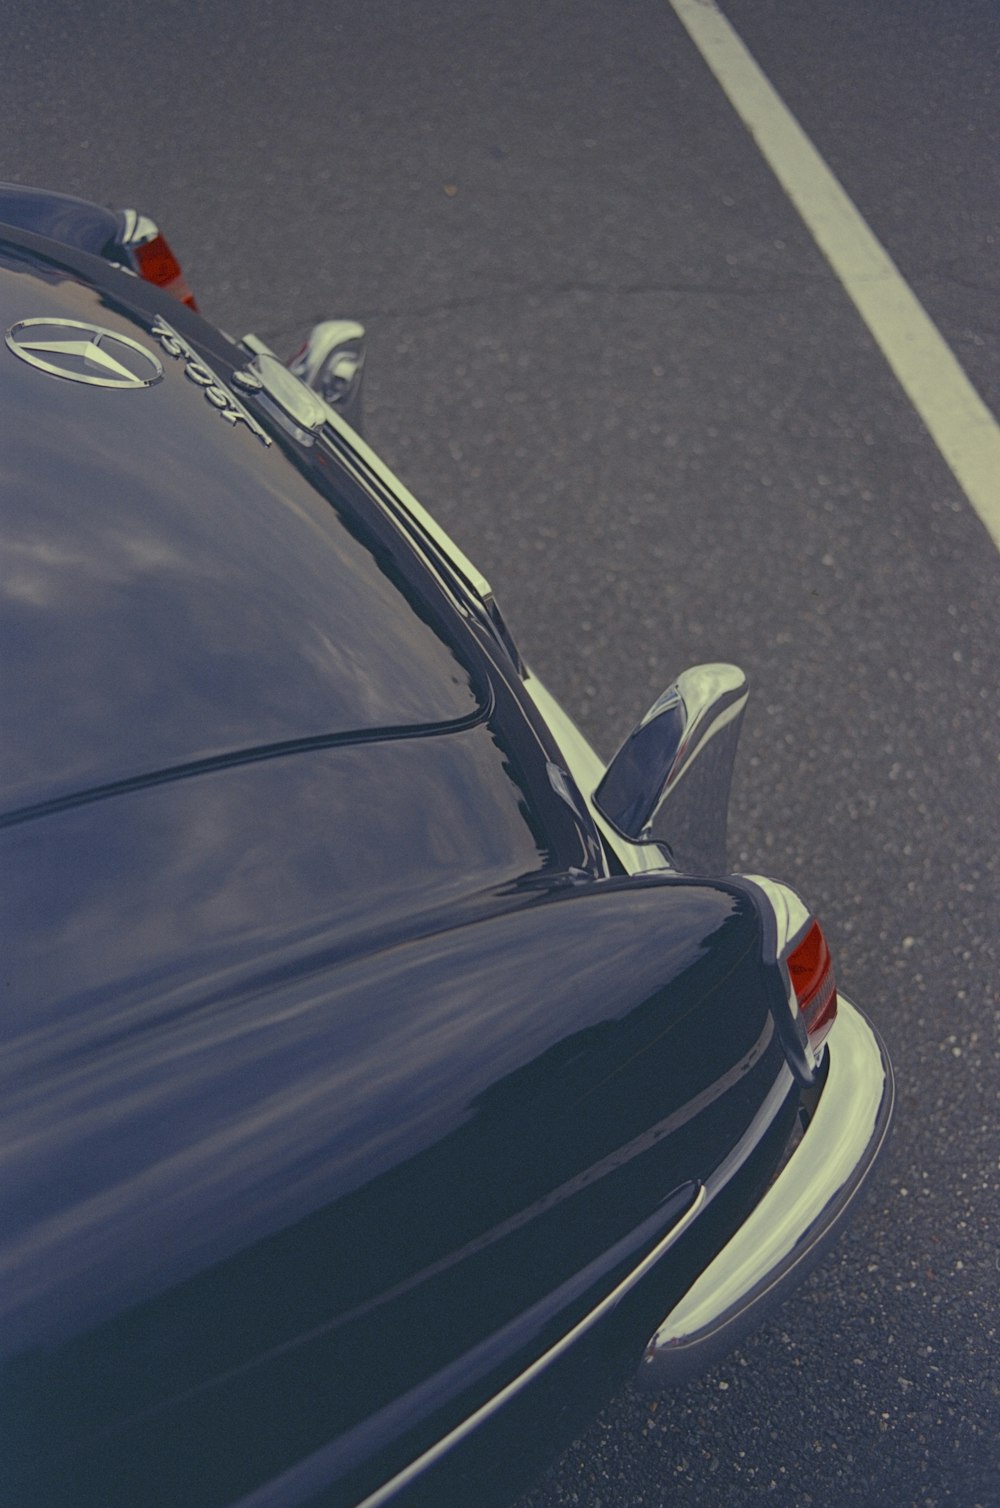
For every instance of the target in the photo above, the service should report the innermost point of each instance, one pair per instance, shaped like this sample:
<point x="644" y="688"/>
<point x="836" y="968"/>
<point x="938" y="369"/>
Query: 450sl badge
<point x="197" y="372"/>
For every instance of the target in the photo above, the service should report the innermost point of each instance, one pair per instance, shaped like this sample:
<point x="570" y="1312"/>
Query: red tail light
<point x="810" y="969"/>
<point x="157" y="264"/>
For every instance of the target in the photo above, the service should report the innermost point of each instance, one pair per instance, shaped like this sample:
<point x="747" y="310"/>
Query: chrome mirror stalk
<point x="332" y="363"/>
<point x="669" y="782"/>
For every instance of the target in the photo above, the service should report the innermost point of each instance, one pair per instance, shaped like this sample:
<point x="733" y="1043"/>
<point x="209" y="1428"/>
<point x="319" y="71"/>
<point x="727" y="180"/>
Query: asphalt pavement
<point x="607" y="353"/>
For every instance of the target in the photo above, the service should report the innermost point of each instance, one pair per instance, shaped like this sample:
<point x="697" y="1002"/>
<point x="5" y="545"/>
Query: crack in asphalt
<point x="522" y="293"/>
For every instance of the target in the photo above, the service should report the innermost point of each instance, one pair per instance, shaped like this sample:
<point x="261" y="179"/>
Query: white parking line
<point x="962" y="427"/>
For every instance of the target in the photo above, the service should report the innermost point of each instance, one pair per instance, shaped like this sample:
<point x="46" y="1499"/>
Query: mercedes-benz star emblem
<point x="84" y="353"/>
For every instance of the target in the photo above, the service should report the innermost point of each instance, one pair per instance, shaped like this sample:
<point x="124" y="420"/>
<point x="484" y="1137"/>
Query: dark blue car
<point x="384" y="1078"/>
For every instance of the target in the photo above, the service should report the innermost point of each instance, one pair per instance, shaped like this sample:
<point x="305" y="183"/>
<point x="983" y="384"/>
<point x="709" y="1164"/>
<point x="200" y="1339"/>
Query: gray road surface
<point x="605" y="350"/>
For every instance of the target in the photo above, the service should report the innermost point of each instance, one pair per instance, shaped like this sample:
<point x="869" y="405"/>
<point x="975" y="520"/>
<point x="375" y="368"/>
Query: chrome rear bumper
<point x="797" y="1218"/>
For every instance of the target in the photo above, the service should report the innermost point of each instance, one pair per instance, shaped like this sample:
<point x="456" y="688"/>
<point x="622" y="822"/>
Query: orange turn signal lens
<point x="157" y="264"/>
<point x="810" y="968"/>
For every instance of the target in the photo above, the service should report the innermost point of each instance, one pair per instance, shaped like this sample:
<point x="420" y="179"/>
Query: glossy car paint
<point x="62" y="218"/>
<point x="344" y="1073"/>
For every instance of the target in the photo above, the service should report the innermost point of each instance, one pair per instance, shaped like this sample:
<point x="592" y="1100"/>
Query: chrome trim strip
<point x="474" y="577"/>
<point x="436" y="1451"/>
<point x="303" y="1481"/>
<point x="588" y="769"/>
<point x="791" y="914"/>
<point x="346" y="435"/>
<point x="789" y="919"/>
<point x="797" y="1217"/>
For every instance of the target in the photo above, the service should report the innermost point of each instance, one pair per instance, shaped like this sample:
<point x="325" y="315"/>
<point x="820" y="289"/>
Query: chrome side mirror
<point x="669" y="781"/>
<point x="332" y="363"/>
